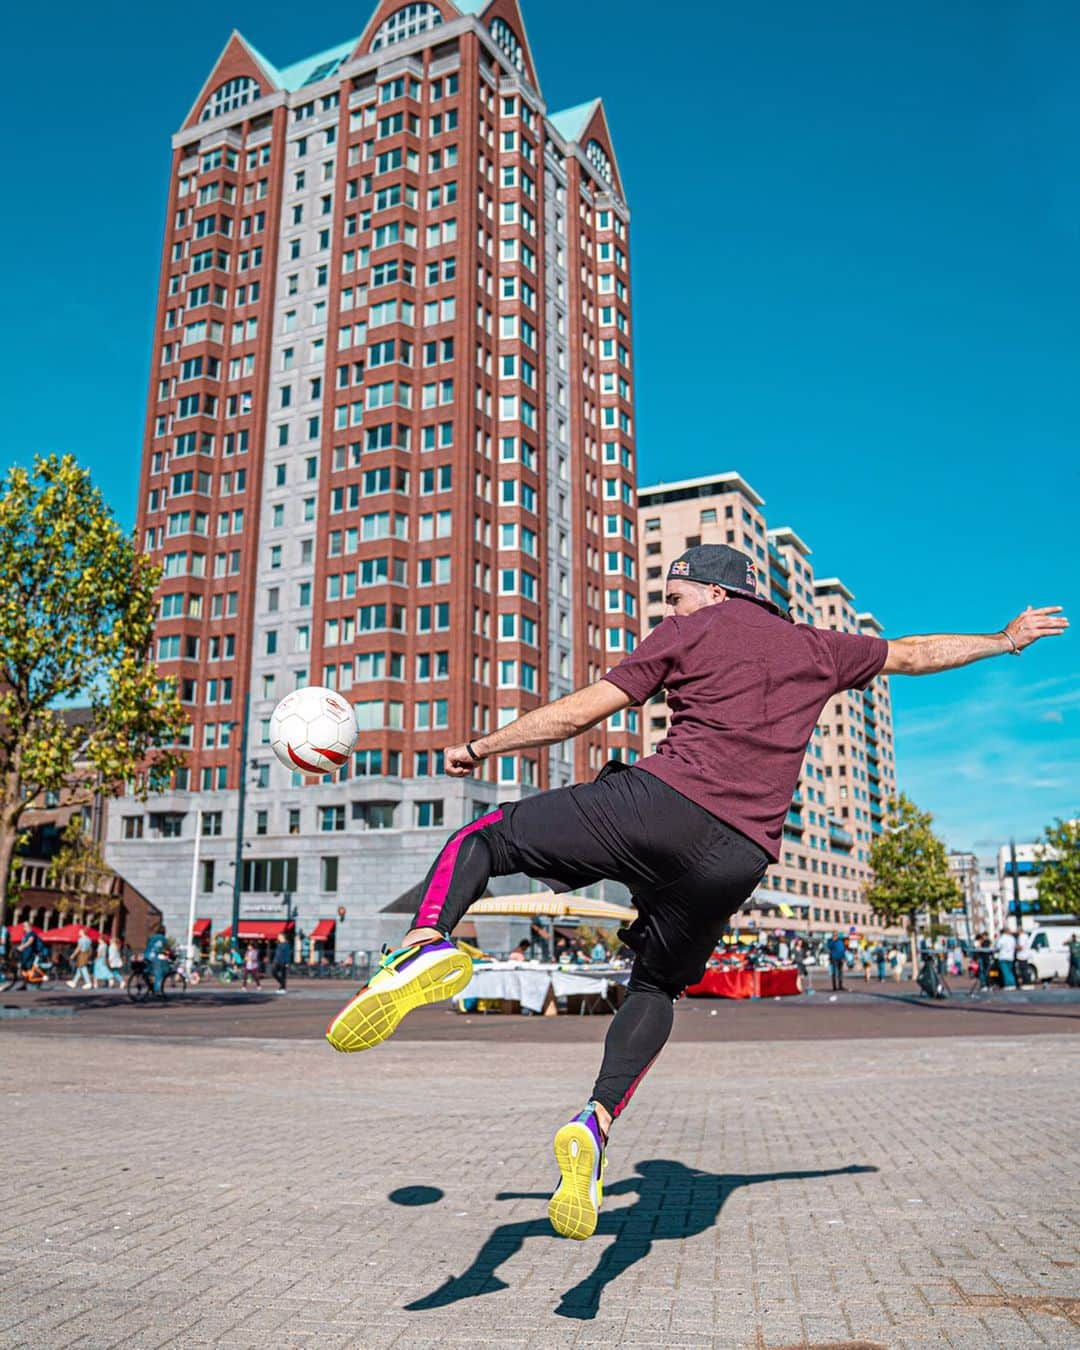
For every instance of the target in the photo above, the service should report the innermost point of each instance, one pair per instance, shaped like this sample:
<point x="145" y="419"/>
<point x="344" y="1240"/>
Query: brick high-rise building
<point x="389" y="447"/>
<point x="849" y="771"/>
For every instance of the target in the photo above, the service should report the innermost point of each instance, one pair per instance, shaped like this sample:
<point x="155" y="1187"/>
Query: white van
<point x="1048" y="954"/>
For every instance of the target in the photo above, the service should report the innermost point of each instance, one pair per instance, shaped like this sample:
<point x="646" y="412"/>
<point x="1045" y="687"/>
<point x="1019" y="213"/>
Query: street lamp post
<point x="238" y="866"/>
<point x="194" y="892"/>
<point x="1016" y="887"/>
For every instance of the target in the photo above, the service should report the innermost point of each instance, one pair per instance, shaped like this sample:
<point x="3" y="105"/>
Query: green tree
<point x="79" y="872"/>
<point x="911" y="868"/>
<point x="1059" y="880"/>
<point x="76" y="621"/>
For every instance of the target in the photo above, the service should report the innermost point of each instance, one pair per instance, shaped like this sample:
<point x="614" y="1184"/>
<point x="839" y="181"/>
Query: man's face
<point x="687" y="597"/>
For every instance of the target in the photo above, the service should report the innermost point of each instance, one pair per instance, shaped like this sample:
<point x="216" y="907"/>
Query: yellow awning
<point x="787" y="911"/>
<point x="545" y="904"/>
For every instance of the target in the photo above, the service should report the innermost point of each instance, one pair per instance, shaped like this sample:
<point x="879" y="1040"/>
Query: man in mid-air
<point x="690" y="829"/>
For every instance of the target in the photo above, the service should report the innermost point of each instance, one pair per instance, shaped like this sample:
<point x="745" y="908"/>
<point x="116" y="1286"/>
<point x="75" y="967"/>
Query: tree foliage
<point x="910" y="866"/>
<point x="79" y="873"/>
<point x="76" y="619"/>
<point x="1059" y="880"/>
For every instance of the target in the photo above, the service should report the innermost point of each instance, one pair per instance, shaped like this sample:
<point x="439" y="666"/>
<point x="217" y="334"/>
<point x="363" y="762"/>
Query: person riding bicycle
<point x="158" y="957"/>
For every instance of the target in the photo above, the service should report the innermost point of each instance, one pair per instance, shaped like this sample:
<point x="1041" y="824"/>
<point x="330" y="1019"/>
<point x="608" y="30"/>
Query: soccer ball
<point x="313" y="730"/>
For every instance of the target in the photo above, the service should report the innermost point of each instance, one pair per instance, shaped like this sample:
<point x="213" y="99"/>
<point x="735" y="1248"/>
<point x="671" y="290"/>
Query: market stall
<point x="546" y="987"/>
<point x="745" y="982"/>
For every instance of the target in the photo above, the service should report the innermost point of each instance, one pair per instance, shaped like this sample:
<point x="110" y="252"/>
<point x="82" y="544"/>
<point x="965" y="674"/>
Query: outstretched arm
<point x="558" y="721"/>
<point x="945" y="651"/>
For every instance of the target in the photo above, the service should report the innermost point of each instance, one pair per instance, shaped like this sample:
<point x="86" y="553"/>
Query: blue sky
<point x="855" y="245"/>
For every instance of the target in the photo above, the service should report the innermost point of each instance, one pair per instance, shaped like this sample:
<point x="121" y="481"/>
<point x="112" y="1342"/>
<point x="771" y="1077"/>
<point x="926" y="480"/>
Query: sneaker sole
<point x="572" y="1210"/>
<point x="374" y="1014"/>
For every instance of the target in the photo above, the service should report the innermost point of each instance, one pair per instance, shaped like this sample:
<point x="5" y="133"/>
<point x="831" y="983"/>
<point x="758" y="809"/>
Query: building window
<point x="294" y="820"/>
<point x="207" y="875"/>
<point x="133" y="827"/>
<point x="269" y="874"/>
<point x="261" y="821"/>
<point x="429" y="814"/>
<point x="332" y="818"/>
<point x="329" y="874"/>
<point x="229" y="96"/>
<point x="506" y="38"/>
<point x="406" y="22"/>
<point x="374" y="815"/>
<point x="211" y="824"/>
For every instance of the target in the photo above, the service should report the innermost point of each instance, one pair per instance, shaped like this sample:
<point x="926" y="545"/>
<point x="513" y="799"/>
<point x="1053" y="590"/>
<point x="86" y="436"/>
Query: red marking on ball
<point x="300" y="763"/>
<point x="334" y="756"/>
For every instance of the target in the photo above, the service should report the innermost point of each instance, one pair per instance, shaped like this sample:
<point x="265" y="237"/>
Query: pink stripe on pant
<point x="632" y="1089"/>
<point x="432" y="903"/>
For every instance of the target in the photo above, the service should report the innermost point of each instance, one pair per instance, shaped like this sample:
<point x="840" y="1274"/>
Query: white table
<point x="533" y="983"/>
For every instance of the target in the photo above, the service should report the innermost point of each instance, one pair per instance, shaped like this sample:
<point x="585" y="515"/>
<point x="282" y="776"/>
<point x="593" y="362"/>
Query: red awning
<point x="69" y="932"/>
<point x="17" y="931"/>
<point x="260" y="930"/>
<point x="323" y="931"/>
<point x="201" y="928"/>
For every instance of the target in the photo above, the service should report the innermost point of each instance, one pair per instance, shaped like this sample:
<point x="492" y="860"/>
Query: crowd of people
<point x="89" y="963"/>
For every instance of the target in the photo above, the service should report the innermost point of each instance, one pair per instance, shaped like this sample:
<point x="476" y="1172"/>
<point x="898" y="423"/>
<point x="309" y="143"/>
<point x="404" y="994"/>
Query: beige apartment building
<point x="849" y="772"/>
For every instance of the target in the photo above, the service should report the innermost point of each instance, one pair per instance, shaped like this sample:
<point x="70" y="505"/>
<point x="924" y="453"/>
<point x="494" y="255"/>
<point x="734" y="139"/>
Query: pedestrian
<point x="783" y="951"/>
<point x="837" y="950"/>
<point x="251" y="966"/>
<point x="879" y="961"/>
<point x="1023" y="958"/>
<point x="116" y="958"/>
<point x="104" y="977"/>
<point x="518" y="954"/>
<point x="25" y="956"/>
<point x="158" y="958"/>
<point x="690" y="830"/>
<point x="280" y="964"/>
<point x="984" y="950"/>
<point x="1006" y="955"/>
<point x="599" y="953"/>
<point x="1074" y="962"/>
<point x="82" y="959"/>
<point x="896" y="964"/>
<point x="866" y="959"/>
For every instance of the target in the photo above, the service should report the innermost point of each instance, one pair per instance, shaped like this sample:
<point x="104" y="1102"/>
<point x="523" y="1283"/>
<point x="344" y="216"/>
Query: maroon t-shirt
<point x="745" y="689"/>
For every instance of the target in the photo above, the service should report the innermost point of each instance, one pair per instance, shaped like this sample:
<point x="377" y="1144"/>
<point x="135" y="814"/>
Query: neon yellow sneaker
<point x="406" y="979"/>
<point x="574" y="1209"/>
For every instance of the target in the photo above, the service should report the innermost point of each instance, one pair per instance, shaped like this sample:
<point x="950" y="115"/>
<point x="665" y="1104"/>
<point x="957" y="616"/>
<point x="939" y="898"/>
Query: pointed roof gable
<point x="585" y="123"/>
<point x="571" y="122"/>
<point x="386" y="10"/>
<point x="238" y="59"/>
<point x="510" y="13"/>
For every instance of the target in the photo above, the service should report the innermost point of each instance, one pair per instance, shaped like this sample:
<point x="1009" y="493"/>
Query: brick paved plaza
<point x="267" y="1192"/>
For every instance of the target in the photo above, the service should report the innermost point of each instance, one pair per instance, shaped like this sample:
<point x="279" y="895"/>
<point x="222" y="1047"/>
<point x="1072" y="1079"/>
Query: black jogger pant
<point x="687" y="871"/>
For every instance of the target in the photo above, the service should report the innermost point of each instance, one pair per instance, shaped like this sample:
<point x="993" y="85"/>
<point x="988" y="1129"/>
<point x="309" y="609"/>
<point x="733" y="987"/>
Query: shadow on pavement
<point x="674" y="1201"/>
<point x="108" y="1001"/>
<point x="960" y="1003"/>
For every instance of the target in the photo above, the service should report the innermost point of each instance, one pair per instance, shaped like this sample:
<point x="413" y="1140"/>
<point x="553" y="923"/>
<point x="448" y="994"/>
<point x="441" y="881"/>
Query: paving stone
<point x="239" y="1193"/>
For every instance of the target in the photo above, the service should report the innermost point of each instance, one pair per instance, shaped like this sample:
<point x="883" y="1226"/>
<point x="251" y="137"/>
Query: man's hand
<point x="458" y="762"/>
<point x="1034" y="624"/>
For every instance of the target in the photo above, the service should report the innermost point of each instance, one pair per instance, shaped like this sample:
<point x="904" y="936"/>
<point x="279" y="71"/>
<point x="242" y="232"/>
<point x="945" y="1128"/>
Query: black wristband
<point x="468" y="746"/>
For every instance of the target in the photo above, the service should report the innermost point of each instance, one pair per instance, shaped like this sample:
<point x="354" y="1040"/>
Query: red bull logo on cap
<point x="680" y="568"/>
<point x="751" y="574"/>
